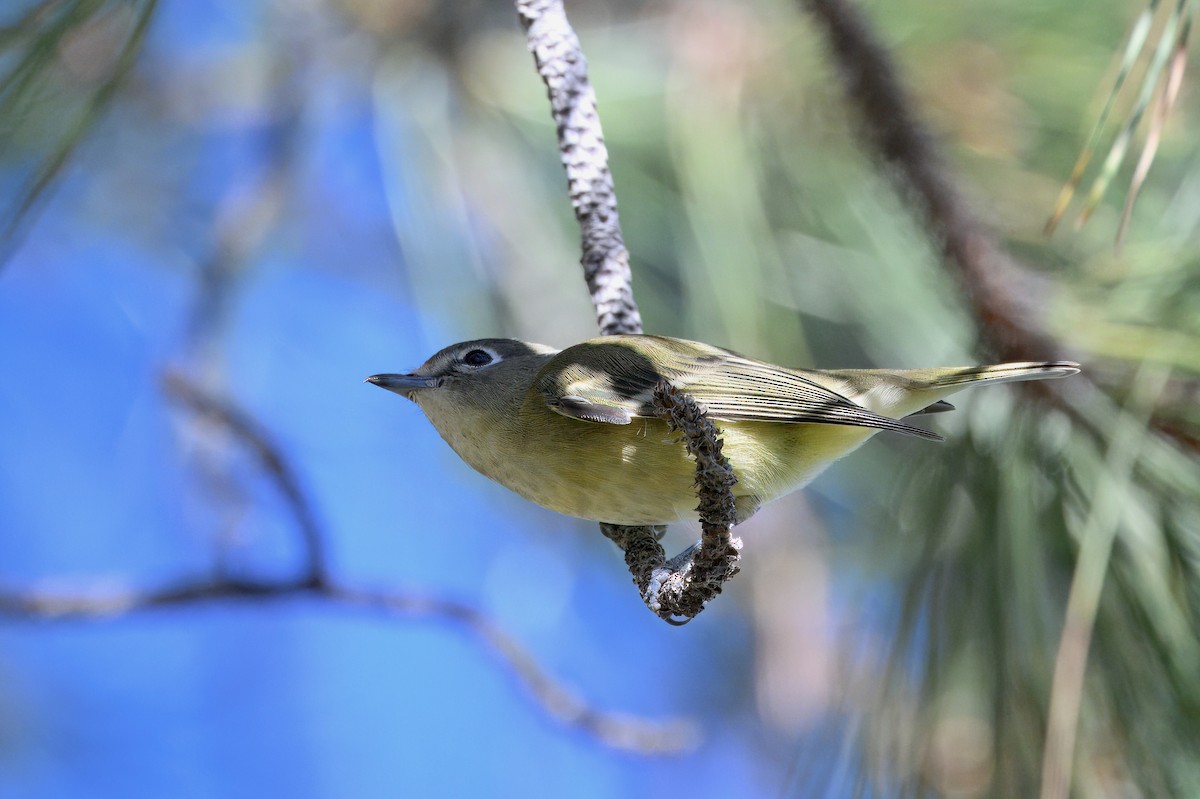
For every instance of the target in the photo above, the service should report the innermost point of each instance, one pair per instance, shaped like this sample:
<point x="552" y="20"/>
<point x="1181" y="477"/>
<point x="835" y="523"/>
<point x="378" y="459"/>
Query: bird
<point x="575" y="430"/>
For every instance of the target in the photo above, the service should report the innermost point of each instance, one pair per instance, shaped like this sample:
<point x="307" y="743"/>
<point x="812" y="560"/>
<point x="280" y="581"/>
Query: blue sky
<point x="107" y="486"/>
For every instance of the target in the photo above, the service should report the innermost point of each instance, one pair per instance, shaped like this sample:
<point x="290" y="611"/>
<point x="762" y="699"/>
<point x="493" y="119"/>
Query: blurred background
<point x="281" y="198"/>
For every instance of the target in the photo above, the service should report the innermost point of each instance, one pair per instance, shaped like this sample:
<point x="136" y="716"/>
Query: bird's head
<point x="475" y="377"/>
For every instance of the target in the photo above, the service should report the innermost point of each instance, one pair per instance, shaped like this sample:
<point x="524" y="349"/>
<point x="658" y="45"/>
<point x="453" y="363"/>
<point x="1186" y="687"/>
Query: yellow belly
<point x="640" y="474"/>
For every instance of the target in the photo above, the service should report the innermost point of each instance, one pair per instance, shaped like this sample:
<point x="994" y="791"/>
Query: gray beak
<point x="404" y="385"/>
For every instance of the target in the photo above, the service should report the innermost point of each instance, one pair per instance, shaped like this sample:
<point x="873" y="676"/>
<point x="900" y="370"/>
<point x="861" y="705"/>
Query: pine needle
<point x="1133" y="48"/>
<point x="1158" y="120"/>
<point x="1160" y="86"/>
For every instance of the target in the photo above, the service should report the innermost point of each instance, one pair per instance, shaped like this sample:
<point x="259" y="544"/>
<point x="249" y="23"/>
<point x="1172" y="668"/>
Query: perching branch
<point x="678" y="589"/>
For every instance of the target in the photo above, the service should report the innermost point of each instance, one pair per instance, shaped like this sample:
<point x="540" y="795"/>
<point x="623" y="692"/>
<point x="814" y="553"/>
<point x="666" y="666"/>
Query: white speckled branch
<point x="563" y="68"/>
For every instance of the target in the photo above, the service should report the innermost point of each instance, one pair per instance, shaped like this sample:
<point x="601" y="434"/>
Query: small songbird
<point x="575" y="430"/>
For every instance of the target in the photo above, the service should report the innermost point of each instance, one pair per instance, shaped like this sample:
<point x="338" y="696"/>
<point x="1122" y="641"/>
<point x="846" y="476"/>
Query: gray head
<point x="479" y="365"/>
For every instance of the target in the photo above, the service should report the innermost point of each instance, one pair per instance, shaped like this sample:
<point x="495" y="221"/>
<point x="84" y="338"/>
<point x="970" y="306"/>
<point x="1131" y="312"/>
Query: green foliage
<point x="61" y="64"/>
<point x="1160" y="85"/>
<point x="1029" y="516"/>
<point x="754" y="221"/>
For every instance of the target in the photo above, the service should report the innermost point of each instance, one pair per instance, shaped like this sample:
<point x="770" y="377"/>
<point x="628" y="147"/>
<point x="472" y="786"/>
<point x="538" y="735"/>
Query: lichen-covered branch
<point x="563" y="68"/>
<point x="678" y="589"/>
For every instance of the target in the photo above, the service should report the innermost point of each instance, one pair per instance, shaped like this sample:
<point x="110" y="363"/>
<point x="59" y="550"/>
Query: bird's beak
<point x="404" y="385"/>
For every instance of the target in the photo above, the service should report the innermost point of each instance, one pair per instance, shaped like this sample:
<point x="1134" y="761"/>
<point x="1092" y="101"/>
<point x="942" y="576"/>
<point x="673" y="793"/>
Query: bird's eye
<point x="477" y="358"/>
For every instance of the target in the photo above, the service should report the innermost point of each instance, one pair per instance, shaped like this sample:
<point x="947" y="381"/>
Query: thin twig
<point x="619" y="731"/>
<point x="255" y="438"/>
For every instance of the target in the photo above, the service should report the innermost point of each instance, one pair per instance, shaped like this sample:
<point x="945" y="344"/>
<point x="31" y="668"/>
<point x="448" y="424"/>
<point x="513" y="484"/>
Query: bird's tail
<point x="998" y="373"/>
<point x="901" y="392"/>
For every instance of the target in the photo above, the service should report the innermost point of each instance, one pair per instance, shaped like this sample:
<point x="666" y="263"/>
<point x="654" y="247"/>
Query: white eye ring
<point x="477" y="358"/>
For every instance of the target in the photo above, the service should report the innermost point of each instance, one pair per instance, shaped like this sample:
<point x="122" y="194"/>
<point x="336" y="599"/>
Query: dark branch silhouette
<point x="1001" y="292"/>
<point x="252" y="436"/>
<point x="893" y="132"/>
<point x="994" y="285"/>
<point x="619" y="731"/>
<point x="678" y="589"/>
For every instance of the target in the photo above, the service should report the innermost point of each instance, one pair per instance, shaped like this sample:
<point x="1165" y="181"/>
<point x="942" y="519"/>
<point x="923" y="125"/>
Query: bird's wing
<point x="611" y="380"/>
<point x="591" y="406"/>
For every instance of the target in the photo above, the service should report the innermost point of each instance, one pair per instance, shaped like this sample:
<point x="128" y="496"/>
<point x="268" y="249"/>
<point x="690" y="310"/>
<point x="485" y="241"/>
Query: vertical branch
<point x="563" y="68"/>
<point x="677" y="589"/>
